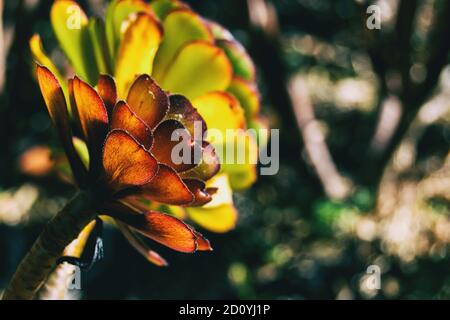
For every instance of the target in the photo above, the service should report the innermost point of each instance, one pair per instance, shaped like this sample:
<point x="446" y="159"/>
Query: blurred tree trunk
<point x="412" y="95"/>
<point x="16" y="92"/>
<point x="390" y="52"/>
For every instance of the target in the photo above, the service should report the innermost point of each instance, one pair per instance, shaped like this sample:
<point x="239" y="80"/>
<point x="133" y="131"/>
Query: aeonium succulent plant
<point x="129" y="145"/>
<point x="184" y="54"/>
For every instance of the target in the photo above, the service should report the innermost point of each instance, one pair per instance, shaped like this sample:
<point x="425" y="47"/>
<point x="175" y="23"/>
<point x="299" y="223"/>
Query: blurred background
<point x="364" y="172"/>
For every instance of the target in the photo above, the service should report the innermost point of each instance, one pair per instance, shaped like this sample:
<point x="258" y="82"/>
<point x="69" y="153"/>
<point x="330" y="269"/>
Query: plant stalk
<point x="56" y="284"/>
<point x="49" y="246"/>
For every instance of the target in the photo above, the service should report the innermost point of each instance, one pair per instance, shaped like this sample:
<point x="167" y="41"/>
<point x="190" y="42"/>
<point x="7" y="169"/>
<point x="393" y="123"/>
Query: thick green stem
<point x="56" y="284"/>
<point x="41" y="259"/>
